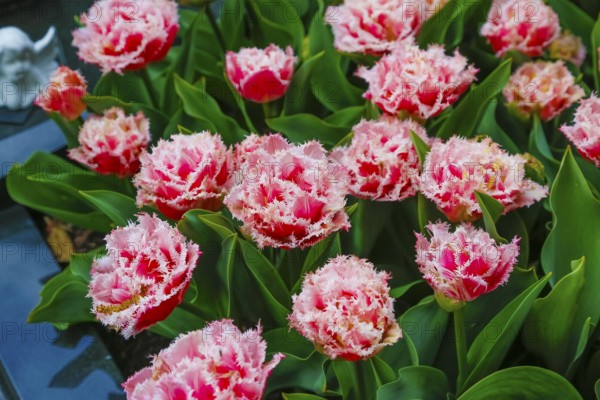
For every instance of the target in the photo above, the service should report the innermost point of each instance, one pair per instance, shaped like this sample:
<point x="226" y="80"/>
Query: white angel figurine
<point x="25" y="66"/>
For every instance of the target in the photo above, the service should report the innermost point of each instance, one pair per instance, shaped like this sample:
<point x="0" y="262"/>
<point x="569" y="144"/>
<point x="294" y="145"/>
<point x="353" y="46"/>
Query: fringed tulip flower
<point x="144" y="275"/>
<point x="462" y="265"/>
<point x="421" y="83"/>
<point x="381" y="162"/>
<point x="545" y="88"/>
<point x="112" y="143"/>
<point x="525" y="26"/>
<point x="287" y="196"/>
<point x="185" y="172"/>
<point x="261" y="75"/>
<point x="373" y="26"/>
<point x="568" y="47"/>
<point x="345" y="309"/>
<point x="455" y="170"/>
<point x="217" y="362"/>
<point x="585" y="131"/>
<point x="64" y="94"/>
<point x="121" y="35"/>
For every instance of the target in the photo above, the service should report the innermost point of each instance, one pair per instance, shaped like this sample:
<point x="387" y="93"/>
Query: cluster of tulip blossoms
<point x="293" y="195"/>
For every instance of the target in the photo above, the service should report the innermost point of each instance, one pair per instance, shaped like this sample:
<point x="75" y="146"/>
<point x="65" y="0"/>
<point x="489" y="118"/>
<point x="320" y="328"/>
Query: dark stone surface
<point x="35" y="17"/>
<point x="39" y="361"/>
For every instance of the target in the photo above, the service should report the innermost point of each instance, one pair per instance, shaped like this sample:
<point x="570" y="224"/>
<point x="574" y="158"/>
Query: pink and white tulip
<point x="345" y="309"/>
<point x="381" y="162"/>
<point x="374" y="26"/>
<point x="585" y="131"/>
<point x="185" y="172"/>
<point x="287" y="195"/>
<point x="125" y="35"/>
<point x="144" y="275"/>
<point x="453" y="171"/>
<point x="464" y="264"/>
<point x="217" y="362"/>
<point x="543" y="88"/>
<point x="525" y="26"/>
<point x="420" y="83"/>
<point x="112" y="143"/>
<point x="64" y="94"/>
<point x="261" y="75"/>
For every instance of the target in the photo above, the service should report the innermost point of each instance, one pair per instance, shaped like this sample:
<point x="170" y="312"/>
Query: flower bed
<point x="372" y="200"/>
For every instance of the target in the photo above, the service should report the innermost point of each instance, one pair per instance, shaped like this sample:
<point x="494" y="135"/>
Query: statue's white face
<point x="15" y="64"/>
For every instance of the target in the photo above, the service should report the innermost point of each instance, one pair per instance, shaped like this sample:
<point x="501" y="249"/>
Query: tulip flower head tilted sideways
<point x="185" y="172"/>
<point x="144" y="275"/>
<point x="421" y="83"/>
<point x="345" y="309"/>
<point x="121" y="35"/>
<point x="112" y="143"/>
<point x="217" y="362"/>
<point x="453" y="171"/>
<point x="462" y="265"/>
<point x="568" y="47"/>
<point x="543" y="88"/>
<point x="286" y="195"/>
<point x="585" y="131"/>
<point x="261" y="75"/>
<point x="525" y="26"/>
<point x="64" y="94"/>
<point x="381" y="162"/>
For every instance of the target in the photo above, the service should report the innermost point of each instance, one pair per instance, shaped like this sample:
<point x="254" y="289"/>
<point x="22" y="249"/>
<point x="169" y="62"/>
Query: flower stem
<point x="267" y="110"/>
<point x="461" y="347"/>
<point x="213" y="23"/>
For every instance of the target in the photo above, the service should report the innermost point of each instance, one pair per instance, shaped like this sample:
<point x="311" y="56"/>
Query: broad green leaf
<point x="382" y="370"/>
<point x="51" y="185"/>
<point x="551" y="329"/>
<point x="416" y="382"/>
<point x="301" y="374"/>
<point x="275" y="23"/>
<point x="435" y="28"/>
<point x="275" y="293"/>
<point x="573" y="235"/>
<point x="524" y="383"/>
<point x="317" y="257"/>
<point x="70" y="129"/>
<point x="128" y="87"/>
<point x="301" y="128"/>
<point x="118" y="207"/>
<point x="288" y="341"/>
<point x="574" y="19"/>
<point x="489" y="126"/>
<point x="347" y="377"/>
<point x="199" y="104"/>
<point x="596" y="45"/>
<point x="491" y="209"/>
<point x="540" y="149"/>
<point x="178" y="322"/>
<point x="486" y="354"/>
<point x="402" y="290"/>
<point x="368" y="223"/>
<point x="346" y="117"/>
<point x="297" y="96"/>
<point x="63" y="298"/>
<point x="423" y="327"/>
<point x="232" y="23"/>
<point x="466" y="116"/>
<point x="421" y="147"/>
<point x="226" y="265"/>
